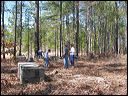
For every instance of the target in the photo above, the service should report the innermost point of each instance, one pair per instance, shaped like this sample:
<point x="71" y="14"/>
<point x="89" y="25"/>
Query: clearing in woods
<point x="95" y="77"/>
<point x="97" y="31"/>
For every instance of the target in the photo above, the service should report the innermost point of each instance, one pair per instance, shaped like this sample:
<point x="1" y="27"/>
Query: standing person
<point x="39" y="53"/>
<point x="72" y="52"/>
<point x="66" y="57"/>
<point x="47" y="58"/>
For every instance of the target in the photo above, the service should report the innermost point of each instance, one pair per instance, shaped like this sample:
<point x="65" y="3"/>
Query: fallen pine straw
<point x="87" y="78"/>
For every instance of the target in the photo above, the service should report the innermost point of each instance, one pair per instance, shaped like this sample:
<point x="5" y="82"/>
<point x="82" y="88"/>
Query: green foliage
<point x="50" y="21"/>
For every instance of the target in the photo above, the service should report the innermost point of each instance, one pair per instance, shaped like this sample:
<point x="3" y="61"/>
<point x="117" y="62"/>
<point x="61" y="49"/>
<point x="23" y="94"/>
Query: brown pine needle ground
<point x="100" y="77"/>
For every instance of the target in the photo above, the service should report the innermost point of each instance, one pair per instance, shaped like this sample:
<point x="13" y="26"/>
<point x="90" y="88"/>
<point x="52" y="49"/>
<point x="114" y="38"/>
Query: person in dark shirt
<point x="66" y="53"/>
<point x="39" y="53"/>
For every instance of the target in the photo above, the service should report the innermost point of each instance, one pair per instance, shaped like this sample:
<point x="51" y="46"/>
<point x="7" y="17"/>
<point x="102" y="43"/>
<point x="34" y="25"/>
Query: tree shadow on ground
<point x="82" y="65"/>
<point x="115" y="67"/>
<point x="89" y="66"/>
<point x="8" y="69"/>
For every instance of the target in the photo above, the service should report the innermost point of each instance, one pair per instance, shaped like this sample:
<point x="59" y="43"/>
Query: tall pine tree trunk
<point x="125" y="51"/>
<point x="15" y="33"/>
<point x="73" y="21"/>
<point x="116" y="28"/>
<point x="87" y="38"/>
<point x="60" y="27"/>
<point x="57" y="40"/>
<point x="3" y="30"/>
<point x="105" y="34"/>
<point x="37" y="28"/>
<point x="28" y="37"/>
<point x="62" y="34"/>
<point x="67" y="26"/>
<point x="20" y="27"/>
<point x="77" y="22"/>
<point x="91" y="26"/>
<point x="40" y="36"/>
<point x="95" y="39"/>
<point x="55" y="43"/>
<point x="100" y="36"/>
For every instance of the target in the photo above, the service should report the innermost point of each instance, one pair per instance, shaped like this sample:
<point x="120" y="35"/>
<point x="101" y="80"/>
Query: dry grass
<point x="101" y="77"/>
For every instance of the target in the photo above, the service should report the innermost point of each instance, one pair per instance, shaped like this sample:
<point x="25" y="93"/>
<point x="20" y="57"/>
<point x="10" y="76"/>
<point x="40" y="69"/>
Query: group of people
<point x="46" y="56"/>
<point x="68" y="55"/>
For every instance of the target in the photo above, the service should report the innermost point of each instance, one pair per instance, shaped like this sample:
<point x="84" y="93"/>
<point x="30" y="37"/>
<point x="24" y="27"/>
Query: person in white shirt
<point x="72" y="53"/>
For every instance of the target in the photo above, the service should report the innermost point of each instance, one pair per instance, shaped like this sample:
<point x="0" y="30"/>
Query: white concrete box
<point x="24" y="63"/>
<point x="31" y="74"/>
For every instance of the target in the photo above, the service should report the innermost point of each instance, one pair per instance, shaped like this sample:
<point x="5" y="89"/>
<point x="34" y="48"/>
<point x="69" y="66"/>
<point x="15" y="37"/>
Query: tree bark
<point x="37" y="27"/>
<point x="67" y="26"/>
<point x="116" y="29"/>
<point x="28" y="36"/>
<point x="63" y="36"/>
<point x="77" y="33"/>
<point x="21" y="28"/>
<point x="87" y="40"/>
<point x="40" y="36"/>
<point x="73" y="21"/>
<point x="105" y="34"/>
<point x="3" y="30"/>
<point x="60" y="27"/>
<point x="55" y="42"/>
<point x="95" y="39"/>
<point x="15" y="33"/>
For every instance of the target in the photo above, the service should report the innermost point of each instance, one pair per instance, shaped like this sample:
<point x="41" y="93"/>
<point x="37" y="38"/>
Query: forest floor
<point x="106" y="76"/>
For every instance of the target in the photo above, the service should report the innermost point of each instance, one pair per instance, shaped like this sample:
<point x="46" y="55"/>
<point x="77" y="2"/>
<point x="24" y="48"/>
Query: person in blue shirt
<point x="66" y="53"/>
<point x="46" y="57"/>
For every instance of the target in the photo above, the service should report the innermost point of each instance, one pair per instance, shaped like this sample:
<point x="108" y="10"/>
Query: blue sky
<point x="9" y="5"/>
